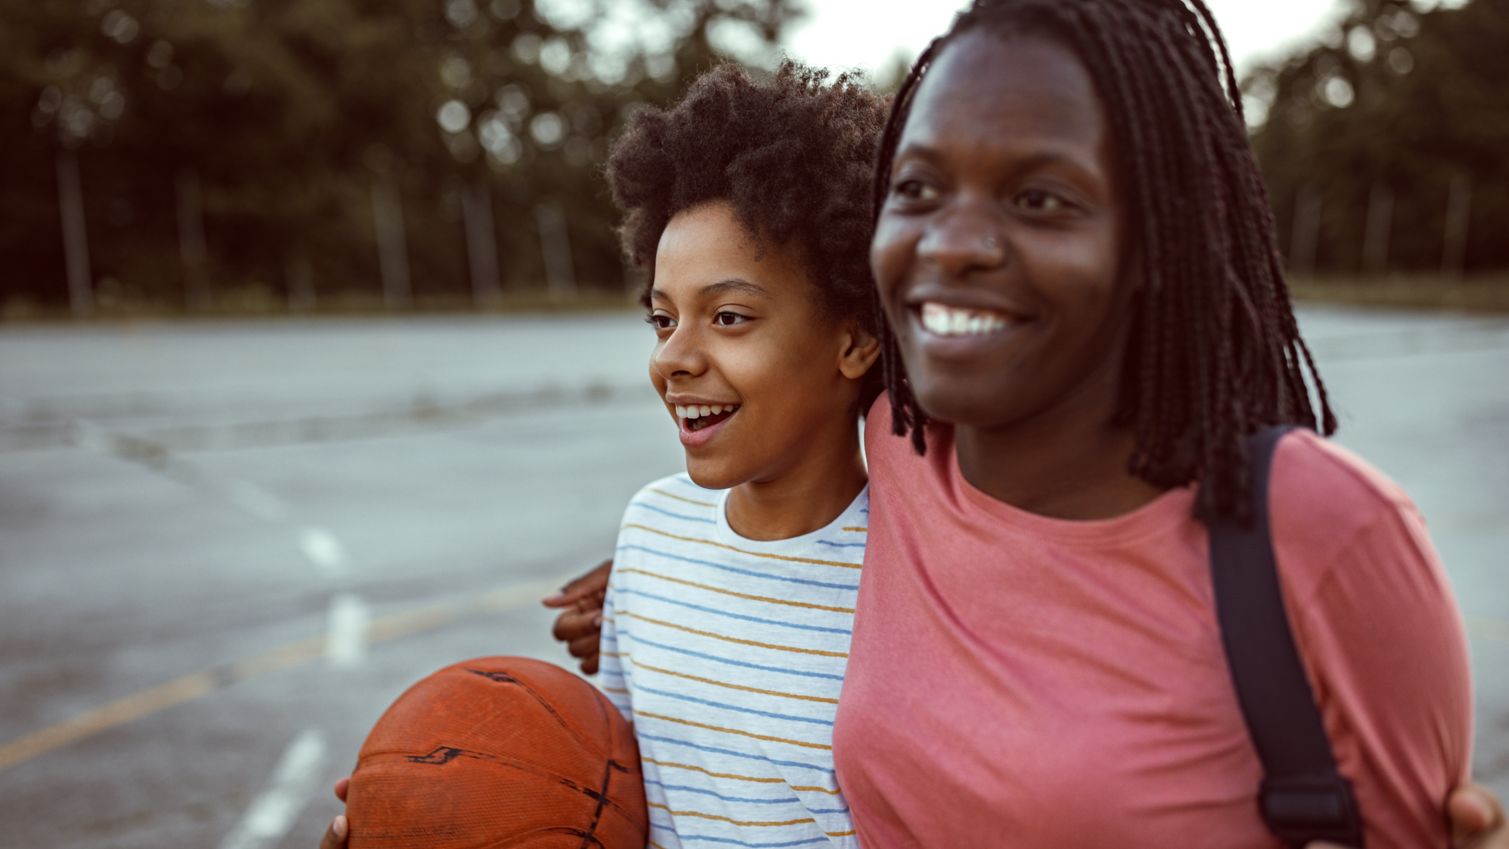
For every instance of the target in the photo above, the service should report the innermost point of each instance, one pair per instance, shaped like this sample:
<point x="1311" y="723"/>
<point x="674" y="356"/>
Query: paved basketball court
<point x="227" y="546"/>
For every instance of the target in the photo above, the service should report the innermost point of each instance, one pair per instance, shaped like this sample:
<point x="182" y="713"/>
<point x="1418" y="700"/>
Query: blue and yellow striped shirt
<point x="728" y="655"/>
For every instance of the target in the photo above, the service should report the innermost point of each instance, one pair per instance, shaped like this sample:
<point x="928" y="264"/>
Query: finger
<point x="589" y="665"/>
<point x="572" y="625"/>
<point x="583" y="586"/>
<point x="1474" y="811"/>
<point x="342" y="786"/>
<point x="584" y="647"/>
<point x="335" y="834"/>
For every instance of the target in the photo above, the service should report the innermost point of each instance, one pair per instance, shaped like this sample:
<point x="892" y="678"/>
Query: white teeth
<point x="947" y="321"/>
<point x="697" y="411"/>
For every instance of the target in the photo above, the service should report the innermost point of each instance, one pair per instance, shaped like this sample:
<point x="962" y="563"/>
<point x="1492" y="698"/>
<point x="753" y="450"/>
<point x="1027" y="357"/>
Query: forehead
<point x="989" y="91"/>
<point x="708" y="244"/>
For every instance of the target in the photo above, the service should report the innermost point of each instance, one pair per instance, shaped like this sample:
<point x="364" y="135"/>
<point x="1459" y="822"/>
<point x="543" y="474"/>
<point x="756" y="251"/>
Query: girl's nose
<point x="679" y="355"/>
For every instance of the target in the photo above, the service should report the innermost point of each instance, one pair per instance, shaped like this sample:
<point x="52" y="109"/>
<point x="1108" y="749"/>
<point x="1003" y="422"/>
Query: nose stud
<point x="992" y="243"/>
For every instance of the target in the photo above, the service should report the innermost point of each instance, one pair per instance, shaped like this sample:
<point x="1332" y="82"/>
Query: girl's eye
<point x="725" y="318"/>
<point x="1037" y="200"/>
<point x="660" y="321"/>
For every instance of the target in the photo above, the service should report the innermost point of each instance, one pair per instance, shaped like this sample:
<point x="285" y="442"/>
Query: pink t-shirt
<point x="1019" y="681"/>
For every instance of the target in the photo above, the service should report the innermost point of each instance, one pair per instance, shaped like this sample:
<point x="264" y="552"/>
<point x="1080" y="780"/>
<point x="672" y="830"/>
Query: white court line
<point x="346" y="632"/>
<point x="291" y="787"/>
<point x="324" y="550"/>
<point x="255" y="500"/>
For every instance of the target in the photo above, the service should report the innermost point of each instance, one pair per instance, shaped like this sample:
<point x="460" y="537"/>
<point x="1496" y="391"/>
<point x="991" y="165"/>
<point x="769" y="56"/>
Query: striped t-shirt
<point x="728" y="655"/>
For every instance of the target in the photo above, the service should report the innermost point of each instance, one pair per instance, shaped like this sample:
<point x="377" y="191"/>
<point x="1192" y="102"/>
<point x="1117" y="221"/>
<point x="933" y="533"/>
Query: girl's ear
<point x="860" y="350"/>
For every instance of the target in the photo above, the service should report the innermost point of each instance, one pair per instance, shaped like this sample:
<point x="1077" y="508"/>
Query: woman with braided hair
<point x="1087" y="322"/>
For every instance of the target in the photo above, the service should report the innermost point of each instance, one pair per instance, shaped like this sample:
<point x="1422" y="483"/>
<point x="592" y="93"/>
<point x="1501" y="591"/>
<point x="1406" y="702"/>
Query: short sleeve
<point x="610" y="668"/>
<point x="1383" y="640"/>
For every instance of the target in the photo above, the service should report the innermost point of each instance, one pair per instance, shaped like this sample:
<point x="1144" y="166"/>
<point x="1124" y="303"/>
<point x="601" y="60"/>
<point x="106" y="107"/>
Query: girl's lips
<point x="702" y="436"/>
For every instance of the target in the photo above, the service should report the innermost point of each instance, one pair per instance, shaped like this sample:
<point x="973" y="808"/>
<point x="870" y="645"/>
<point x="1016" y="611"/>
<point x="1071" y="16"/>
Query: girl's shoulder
<point x="671" y="503"/>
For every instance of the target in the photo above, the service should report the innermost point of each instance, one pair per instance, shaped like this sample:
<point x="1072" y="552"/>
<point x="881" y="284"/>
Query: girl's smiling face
<point x="758" y="379"/>
<point x="998" y="249"/>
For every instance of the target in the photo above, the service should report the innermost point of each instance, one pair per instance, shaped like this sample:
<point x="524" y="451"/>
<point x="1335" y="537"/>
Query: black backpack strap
<point x="1303" y="797"/>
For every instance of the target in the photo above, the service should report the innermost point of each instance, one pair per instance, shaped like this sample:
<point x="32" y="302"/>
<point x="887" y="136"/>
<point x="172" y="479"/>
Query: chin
<point x="960" y="406"/>
<point x="711" y="475"/>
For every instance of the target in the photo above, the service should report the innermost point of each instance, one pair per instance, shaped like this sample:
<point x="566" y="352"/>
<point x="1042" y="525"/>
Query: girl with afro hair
<point x="725" y="628"/>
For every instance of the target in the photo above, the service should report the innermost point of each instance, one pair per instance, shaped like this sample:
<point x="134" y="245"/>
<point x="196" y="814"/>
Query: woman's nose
<point x="964" y="240"/>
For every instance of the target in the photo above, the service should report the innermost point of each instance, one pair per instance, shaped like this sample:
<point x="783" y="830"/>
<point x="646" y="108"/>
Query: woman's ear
<point x="860" y="350"/>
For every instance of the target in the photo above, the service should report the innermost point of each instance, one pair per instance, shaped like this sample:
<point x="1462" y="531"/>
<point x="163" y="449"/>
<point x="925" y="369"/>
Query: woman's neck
<point x="1068" y="462"/>
<point x="813" y="491"/>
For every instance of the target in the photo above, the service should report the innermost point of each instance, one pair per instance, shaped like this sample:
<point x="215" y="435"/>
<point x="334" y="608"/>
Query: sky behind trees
<point x="306" y="154"/>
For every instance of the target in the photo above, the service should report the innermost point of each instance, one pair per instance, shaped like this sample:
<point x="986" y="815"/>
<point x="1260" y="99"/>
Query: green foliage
<point x="286" y="114"/>
<point x="1398" y="102"/>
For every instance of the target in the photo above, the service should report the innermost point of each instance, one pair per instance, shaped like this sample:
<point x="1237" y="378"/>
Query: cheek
<point x="891" y="252"/>
<point x="656" y="379"/>
<point x="1080" y="276"/>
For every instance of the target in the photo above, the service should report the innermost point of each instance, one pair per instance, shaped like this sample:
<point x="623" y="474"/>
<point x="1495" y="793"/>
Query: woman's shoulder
<point x="1318" y="478"/>
<point x="1329" y="507"/>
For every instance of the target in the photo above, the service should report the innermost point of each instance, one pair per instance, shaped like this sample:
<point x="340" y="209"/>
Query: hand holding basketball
<point x="497" y="751"/>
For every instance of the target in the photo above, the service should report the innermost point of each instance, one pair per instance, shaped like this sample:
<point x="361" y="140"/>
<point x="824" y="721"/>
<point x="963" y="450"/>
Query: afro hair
<point x="793" y="156"/>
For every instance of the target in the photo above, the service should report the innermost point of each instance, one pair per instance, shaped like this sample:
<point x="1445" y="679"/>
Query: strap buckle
<point x="1312" y="806"/>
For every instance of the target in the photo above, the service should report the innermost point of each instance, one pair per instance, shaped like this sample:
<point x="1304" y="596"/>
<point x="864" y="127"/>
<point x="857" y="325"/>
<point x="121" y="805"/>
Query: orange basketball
<point x="499" y="752"/>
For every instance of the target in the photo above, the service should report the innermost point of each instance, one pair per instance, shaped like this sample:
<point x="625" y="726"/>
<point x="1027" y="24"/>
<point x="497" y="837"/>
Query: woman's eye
<point x="1038" y="200"/>
<point x="724" y="318"/>
<point x="660" y="321"/>
<point x="912" y="189"/>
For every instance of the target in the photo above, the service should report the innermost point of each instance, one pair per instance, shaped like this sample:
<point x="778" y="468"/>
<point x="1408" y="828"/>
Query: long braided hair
<point x="1214" y="353"/>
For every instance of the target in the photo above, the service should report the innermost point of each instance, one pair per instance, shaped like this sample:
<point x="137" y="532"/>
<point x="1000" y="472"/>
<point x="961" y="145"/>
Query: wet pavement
<point x="226" y="546"/>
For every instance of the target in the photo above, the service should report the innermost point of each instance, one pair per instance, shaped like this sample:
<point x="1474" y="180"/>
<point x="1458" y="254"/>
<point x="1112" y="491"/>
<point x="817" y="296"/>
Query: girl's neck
<point x="813" y="491"/>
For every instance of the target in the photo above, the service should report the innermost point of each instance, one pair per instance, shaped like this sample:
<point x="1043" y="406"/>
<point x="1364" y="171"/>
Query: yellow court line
<point x="728" y="639"/>
<point x="118" y="712"/>
<point x="710" y="588"/>
<point x="750" y="734"/>
<point x="726" y="546"/>
<point x="721" y="818"/>
<point x="197" y="685"/>
<point x="683" y="498"/>
<point x="642" y="665"/>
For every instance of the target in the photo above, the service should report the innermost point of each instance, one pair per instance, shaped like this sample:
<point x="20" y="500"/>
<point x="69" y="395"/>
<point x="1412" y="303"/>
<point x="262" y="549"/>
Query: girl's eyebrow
<point x="734" y="284"/>
<point x="722" y="287"/>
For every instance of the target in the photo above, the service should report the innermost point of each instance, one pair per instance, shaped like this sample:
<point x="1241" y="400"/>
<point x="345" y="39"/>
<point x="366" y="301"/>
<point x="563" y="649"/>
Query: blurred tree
<point x="1385" y="146"/>
<point x="270" y="146"/>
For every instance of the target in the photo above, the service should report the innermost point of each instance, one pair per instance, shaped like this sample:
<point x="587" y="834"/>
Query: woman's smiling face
<point x="756" y="376"/>
<point x="998" y="250"/>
